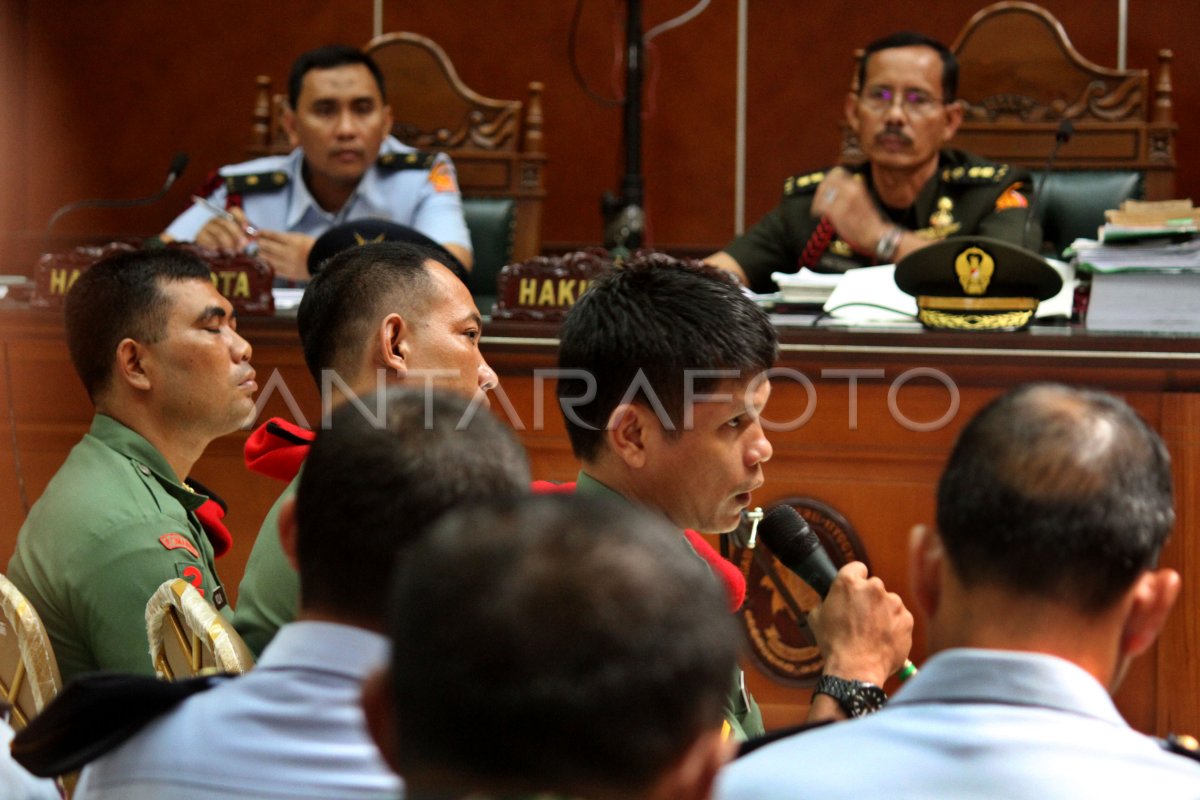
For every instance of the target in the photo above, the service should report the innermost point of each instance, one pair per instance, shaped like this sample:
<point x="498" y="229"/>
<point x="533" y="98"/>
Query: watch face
<point x="865" y="698"/>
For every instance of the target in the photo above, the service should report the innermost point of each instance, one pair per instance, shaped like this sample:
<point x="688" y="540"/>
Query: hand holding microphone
<point x="863" y="630"/>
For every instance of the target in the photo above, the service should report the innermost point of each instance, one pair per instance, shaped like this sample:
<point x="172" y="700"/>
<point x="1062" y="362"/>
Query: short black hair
<point x="555" y="645"/>
<point x="662" y="317"/>
<point x="1058" y="493"/>
<point x="328" y="57"/>
<point x="911" y="39"/>
<point x="354" y="291"/>
<point x="121" y="297"/>
<point x="386" y="467"/>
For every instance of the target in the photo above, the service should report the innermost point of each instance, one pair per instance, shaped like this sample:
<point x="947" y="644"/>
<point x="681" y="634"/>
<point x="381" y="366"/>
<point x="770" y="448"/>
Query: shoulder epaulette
<point x="975" y="175"/>
<point x="418" y="159"/>
<point x="256" y="183"/>
<point x="1181" y="745"/>
<point x="803" y="184"/>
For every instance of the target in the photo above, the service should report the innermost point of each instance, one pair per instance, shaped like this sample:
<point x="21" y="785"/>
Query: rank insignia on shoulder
<point x="177" y="541"/>
<point x="1012" y="198"/>
<point x="442" y="178"/>
<point x="975" y="175"/>
<point x="802" y="184"/>
<point x="256" y="183"/>
<point x="418" y="159"/>
<point x="1181" y="745"/>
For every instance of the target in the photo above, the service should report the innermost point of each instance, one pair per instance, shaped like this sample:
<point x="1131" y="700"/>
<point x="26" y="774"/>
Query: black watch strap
<point x="857" y="698"/>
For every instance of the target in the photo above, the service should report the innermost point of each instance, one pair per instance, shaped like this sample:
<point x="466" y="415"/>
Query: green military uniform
<point x="741" y="711"/>
<point x="269" y="595"/>
<point x="112" y="525"/>
<point x="961" y="198"/>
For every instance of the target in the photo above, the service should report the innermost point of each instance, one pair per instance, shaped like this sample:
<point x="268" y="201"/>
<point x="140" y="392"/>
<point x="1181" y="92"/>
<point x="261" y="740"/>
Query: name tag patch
<point x="177" y="541"/>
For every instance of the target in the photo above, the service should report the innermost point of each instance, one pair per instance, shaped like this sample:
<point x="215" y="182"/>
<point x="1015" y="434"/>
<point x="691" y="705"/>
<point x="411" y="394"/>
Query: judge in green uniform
<point x="911" y="190"/>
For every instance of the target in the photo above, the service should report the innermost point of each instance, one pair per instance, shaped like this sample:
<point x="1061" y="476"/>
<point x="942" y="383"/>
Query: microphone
<point x="793" y="542"/>
<point x="1063" y="135"/>
<point x="178" y="165"/>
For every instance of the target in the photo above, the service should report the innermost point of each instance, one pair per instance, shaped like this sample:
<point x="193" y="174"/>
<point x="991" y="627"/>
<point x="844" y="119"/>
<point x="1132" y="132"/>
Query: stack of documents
<point x="1153" y="254"/>
<point x="1145" y="269"/>
<point x="1137" y="219"/>
<point x="805" y="286"/>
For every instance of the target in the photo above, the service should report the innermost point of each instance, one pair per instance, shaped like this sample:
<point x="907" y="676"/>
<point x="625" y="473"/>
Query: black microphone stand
<point x="625" y="217"/>
<point x="1063" y="135"/>
<point x="178" y="164"/>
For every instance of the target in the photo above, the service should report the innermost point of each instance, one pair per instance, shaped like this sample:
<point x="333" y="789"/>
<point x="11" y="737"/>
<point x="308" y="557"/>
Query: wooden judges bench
<point x="862" y="451"/>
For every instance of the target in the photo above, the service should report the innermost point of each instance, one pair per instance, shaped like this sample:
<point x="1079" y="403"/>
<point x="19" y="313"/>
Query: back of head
<point x="557" y="645"/>
<point x="345" y="302"/>
<point x="120" y="298"/>
<point x="330" y="57"/>
<point x="1056" y="493"/>
<point x="670" y="320"/>
<point x="911" y="39"/>
<point x="386" y="467"/>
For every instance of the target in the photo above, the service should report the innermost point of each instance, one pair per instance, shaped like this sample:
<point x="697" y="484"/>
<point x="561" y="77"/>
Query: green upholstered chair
<point x="1071" y="204"/>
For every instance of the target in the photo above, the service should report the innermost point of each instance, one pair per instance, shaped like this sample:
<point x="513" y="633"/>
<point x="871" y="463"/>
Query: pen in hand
<point x="247" y="229"/>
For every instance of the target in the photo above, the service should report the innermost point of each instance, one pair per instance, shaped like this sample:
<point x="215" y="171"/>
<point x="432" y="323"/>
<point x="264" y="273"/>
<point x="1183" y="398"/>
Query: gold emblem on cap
<point x="359" y="239"/>
<point x="974" y="268"/>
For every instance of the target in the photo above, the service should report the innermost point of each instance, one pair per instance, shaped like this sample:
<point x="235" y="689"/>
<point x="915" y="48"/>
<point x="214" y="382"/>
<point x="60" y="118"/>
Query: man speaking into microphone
<point x="912" y="189"/>
<point x="1041" y="584"/>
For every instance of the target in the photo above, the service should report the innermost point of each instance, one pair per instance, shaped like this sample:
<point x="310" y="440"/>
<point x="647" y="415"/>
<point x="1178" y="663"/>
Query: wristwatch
<point x="857" y="698"/>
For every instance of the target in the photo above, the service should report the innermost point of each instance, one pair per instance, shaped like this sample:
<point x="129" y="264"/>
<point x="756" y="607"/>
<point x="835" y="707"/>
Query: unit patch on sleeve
<point x="177" y="541"/>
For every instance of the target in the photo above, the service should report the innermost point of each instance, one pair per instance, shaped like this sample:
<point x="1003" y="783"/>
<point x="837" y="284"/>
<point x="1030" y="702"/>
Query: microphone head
<point x="1066" y="129"/>
<point x="788" y="535"/>
<point x="178" y="165"/>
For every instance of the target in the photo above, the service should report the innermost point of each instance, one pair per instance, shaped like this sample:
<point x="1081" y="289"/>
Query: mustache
<point x="893" y="132"/>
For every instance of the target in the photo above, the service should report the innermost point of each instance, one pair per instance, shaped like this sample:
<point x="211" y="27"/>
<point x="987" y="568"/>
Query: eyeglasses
<point x="914" y="102"/>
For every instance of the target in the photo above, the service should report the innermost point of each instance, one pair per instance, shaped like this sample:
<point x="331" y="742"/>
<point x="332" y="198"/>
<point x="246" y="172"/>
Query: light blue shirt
<point x="406" y="196"/>
<point x="973" y="724"/>
<point x="292" y="727"/>
<point x="15" y="782"/>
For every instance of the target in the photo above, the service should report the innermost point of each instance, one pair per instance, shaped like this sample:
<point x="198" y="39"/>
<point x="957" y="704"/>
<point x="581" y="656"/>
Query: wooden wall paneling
<point x="12" y="511"/>
<point x="190" y="86"/>
<point x="1178" y="698"/>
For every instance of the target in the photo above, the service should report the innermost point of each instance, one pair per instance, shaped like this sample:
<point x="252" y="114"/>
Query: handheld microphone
<point x="1063" y="135"/>
<point x="798" y="548"/>
<point x="793" y="542"/>
<point x="178" y="165"/>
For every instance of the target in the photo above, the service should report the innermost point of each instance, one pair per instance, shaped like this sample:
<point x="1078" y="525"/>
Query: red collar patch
<point x="177" y="541"/>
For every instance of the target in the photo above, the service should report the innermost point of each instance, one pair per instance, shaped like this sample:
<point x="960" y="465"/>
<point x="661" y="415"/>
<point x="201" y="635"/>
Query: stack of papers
<point x="1137" y="218"/>
<point x="805" y="286"/>
<point x="1154" y="255"/>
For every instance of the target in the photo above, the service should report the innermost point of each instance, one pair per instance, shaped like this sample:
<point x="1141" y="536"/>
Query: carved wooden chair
<point x="1019" y="77"/>
<point x="29" y="677"/>
<point x="496" y="145"/>
<point x="189" y="637"/>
